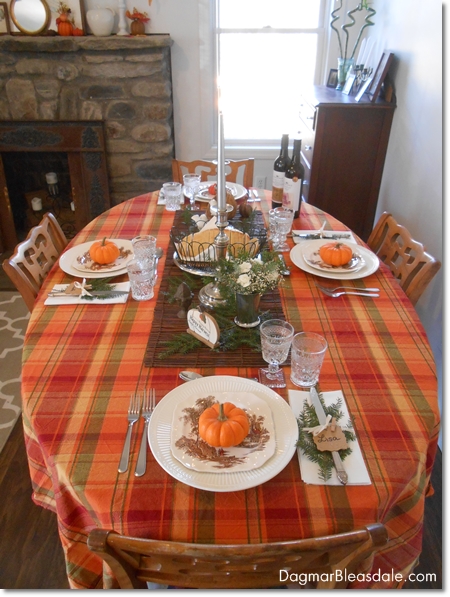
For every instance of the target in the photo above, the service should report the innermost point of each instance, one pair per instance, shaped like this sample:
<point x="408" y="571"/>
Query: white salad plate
<point x="313" y="258"/>
<point x="370" y="266"/>
<point x="195" y="454"/>
<point x="68" y="261"/>
<point x="160" y="434"/>
<point x="203" y="195"/>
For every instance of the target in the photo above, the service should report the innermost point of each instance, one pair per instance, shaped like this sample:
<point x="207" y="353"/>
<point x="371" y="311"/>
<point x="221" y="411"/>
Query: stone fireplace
<point x="116" y="89"/>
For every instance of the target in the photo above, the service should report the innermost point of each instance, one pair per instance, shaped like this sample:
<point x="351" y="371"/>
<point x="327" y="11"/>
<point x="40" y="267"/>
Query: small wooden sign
<point x="331" y="439"/>
<point x="203" y="327"/>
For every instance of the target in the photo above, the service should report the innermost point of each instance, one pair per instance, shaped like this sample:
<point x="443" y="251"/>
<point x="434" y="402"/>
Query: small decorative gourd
<point x="65" y="27"/>
<point x="104" y="251"/>
<point x="335" y="254"/>
<point x="245" y="209"/>
<point x="223" y="425"/>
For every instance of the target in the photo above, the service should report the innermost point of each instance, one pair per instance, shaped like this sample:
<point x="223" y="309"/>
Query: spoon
<point x="189" y="375"/>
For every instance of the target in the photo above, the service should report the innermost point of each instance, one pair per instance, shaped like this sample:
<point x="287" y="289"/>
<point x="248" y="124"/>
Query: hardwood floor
<point x="32" y="556"/>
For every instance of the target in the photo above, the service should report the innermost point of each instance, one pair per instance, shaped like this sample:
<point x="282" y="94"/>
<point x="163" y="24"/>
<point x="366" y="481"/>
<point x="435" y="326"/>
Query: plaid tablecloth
<point x="81" y="364"/>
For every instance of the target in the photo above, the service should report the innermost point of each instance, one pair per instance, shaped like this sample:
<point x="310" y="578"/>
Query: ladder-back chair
<point x="407" y="259"/>
<point x="134" y="562"/>
<point x="235" y="170"/>
<point x="33" y="258"/>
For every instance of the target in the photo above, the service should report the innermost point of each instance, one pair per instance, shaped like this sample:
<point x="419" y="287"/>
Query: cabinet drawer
<point x="307" y="149"/>
<point x="306" y="180"/>
<point x="307" y="113"/>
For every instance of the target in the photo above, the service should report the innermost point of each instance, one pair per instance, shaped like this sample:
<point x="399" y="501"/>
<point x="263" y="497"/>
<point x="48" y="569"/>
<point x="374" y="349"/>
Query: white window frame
<point x="208" y="91"/>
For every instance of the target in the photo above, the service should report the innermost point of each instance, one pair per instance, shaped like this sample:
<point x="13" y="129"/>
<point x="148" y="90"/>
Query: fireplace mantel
<point x="123" y="82"/>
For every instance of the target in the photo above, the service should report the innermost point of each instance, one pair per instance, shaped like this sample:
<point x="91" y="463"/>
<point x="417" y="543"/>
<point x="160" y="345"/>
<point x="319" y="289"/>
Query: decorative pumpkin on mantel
<point x="138" y="20"/>
<point x="223" y="425"/>
<point x="63" y="22"/>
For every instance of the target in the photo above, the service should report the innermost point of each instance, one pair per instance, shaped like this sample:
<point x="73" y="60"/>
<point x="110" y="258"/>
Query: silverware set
<point x="137" y="409"/>
<point x="341" y="290"/>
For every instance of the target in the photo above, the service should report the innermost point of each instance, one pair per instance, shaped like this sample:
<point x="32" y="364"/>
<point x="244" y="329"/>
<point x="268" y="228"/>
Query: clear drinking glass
<point x="283" y="224"/>
<point x="276" y="338"/>
<point x="307" y="354"/>
<point x="191" y="184"/>
<point x="173" y="193"/>
<point x="144" y="247"/>
<point x="272" y="227"/>
<point x="142" y="277"/>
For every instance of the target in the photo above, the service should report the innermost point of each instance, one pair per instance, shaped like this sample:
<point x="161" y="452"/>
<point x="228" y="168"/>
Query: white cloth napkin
<point x="76" y="300"/>
<point x="298" y="239"/>
<point x="354" y="464"/>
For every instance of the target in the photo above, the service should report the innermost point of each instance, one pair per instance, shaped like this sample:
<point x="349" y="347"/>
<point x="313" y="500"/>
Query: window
<point x="268" y="51"/>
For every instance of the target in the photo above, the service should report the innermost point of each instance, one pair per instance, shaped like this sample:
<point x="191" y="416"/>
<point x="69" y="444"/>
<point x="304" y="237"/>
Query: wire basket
<point x="199" y="254"/>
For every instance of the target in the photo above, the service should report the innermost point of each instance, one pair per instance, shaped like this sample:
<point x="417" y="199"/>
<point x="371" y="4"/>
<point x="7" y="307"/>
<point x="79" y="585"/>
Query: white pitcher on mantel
<point x="101" y="21"/>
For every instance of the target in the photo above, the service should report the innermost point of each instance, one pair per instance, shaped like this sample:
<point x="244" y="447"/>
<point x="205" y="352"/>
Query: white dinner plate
<point x="194" y="453"/>
<point x="203" y="196"/>
<point x="159" y="434"/>
<point x="69" y="258"/>
<point x="371" y="262"/>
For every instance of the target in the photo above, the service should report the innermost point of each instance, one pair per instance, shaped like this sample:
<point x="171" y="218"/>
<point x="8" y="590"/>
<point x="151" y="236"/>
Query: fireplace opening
<point x="38" y="182"/>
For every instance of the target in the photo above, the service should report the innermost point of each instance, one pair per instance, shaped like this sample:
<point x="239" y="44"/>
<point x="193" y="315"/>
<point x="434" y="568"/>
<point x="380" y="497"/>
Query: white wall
<point x="412" y="182"/>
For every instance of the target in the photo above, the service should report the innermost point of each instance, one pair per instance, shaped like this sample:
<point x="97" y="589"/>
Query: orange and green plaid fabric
<point x="82" y="363"/>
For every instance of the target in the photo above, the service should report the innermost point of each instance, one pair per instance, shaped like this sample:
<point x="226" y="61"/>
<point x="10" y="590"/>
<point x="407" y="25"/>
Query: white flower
<point x="244" y="280"/>
<point x="245" y="267"/>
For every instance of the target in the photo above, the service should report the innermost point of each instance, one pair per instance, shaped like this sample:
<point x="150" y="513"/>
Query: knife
<point x="93" y="293"/>
<point x="315" y="401"/>
<point x="312" y="236"/>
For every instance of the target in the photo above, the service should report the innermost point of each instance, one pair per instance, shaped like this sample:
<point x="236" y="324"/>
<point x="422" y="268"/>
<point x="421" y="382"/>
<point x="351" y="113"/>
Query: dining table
<point x="82" y="362"/>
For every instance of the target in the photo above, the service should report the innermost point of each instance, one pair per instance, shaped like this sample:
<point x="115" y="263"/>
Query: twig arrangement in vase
<point x="345" y="62"/>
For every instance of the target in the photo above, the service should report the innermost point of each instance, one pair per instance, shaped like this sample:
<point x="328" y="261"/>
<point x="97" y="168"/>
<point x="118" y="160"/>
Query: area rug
<point x="14" y="318"/>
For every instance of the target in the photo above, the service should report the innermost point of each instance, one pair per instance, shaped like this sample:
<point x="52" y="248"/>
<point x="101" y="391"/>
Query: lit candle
<point x="221" y="192"/>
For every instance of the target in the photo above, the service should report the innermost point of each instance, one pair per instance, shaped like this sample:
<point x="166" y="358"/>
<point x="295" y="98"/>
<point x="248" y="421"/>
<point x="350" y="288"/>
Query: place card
<point x="204" y="327"/>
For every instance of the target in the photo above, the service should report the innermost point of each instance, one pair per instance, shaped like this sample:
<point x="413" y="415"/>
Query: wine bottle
<point x="293" y="180"/>
<point x="279" y="168"/>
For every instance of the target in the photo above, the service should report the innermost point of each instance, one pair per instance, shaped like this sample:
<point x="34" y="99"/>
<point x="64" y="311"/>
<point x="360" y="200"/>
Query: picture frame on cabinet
<point x="5" y="27"/>
<point x="380" y="75"/>
<point x="332" y="78"/>
<point x="347" y="89"/>
<point x="363" y="89"/>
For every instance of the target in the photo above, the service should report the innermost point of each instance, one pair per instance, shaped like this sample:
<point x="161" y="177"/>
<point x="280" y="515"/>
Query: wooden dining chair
<point x="407" y="259"/>
<point x="134" y="562"/>
<point x="208" y="170"/>
<point x="34" y="257"/>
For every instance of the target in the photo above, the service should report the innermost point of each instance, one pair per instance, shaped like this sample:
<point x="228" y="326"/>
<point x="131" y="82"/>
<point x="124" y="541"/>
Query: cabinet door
<point x="349" y="151"/>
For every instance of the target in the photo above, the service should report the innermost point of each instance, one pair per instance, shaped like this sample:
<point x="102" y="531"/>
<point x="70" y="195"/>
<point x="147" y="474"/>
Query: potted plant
<point x="346" y="60"/>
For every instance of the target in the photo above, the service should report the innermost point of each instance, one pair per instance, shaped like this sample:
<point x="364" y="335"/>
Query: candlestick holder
<point x="210" y="295"/>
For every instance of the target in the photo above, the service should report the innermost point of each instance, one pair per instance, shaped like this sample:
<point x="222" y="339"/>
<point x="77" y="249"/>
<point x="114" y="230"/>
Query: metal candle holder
<point x="210" y="295"/>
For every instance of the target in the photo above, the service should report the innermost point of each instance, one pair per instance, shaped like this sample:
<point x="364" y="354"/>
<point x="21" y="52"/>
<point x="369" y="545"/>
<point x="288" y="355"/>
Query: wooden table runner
<point x="167" y="324"/>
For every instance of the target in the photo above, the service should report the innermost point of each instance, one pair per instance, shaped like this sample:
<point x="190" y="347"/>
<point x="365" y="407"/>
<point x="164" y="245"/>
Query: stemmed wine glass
<point x="276" y="338"/>
<point x="283" y="224"/>
<point x="191" y="184"/>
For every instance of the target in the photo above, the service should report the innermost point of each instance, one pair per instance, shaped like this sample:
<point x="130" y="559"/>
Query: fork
<point x="148" y="406"/>
<point x="336" y="294"/>
<point x="133" y="416"/>
<point x="347" y="288"/>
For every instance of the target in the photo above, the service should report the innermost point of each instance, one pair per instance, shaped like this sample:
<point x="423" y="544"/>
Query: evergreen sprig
<point x="180" y="344"/>
<point x="308" y="418"/>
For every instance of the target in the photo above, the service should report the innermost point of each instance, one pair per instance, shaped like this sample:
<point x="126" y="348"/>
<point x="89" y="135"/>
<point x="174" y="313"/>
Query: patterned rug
<point x="14" y="318"/>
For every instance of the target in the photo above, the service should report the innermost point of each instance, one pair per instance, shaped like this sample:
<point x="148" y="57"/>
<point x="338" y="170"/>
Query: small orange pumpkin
<point x="77" y="32"/>
<point x="104" y="251"/>
<point x="65" y="27"/>
<point x="223" y="425"/>
<point x="336" y="254"/>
